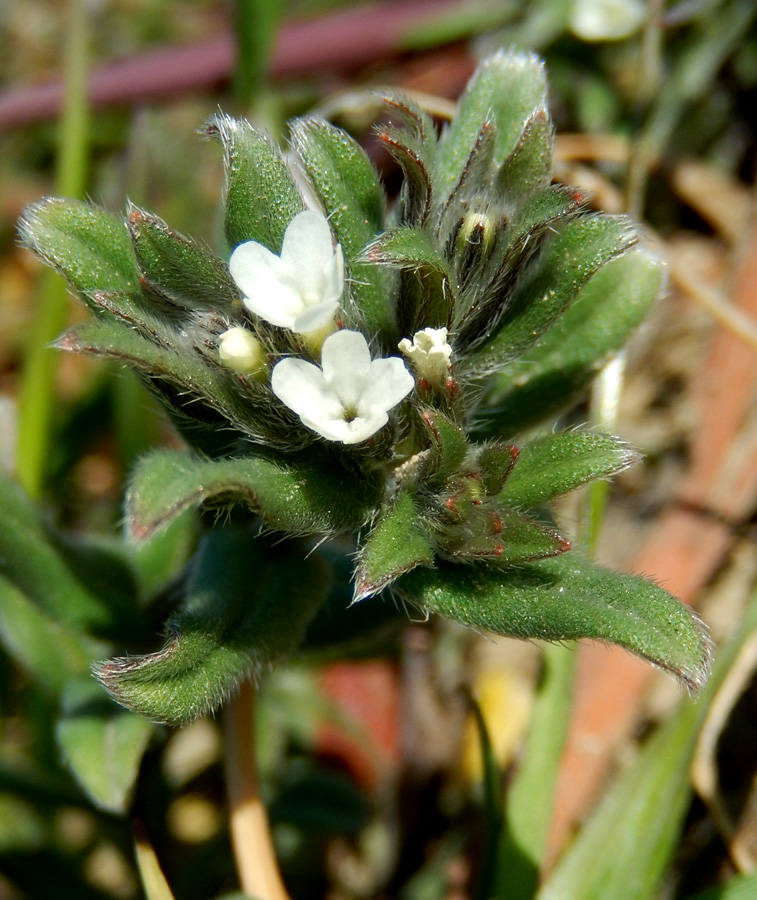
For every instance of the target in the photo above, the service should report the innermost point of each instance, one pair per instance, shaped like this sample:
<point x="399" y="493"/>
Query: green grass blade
<point x="36" y="396"/>
<point x="528" y="806"/>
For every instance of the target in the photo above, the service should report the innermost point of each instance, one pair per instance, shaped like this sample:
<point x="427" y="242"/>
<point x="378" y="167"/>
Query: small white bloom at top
<point x="430" y="354"/>
<point x="607" y="20"/>
<point x="240" y="351"/>
<point x="349" y="397"/>
<point x="300" y="289"/>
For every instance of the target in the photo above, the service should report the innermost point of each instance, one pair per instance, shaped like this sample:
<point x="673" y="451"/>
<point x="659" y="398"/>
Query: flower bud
<point x="471" y="244"/>
<point x="240" y="351"/>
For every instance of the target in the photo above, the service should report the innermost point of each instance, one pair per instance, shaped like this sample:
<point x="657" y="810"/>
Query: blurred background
<point x="374" y="789"/>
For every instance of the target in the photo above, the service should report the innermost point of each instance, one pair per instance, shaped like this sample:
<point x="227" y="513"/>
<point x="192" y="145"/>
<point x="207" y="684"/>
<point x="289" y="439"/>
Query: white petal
<point x="314" y="317"/>
<point x="345" y="354"/>
<point x="333" y="276"/>
<point x="363" y="427"/>
<point x="300" y="385"/>
<point x="389" y="383"/>
<point x="248" y="262"/>
<point x="274" y="300"/>
<point x="307" y="245"/>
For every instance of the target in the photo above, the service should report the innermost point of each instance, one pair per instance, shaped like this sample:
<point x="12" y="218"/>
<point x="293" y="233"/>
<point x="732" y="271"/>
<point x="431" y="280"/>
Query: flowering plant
<point x="362" y="369"/>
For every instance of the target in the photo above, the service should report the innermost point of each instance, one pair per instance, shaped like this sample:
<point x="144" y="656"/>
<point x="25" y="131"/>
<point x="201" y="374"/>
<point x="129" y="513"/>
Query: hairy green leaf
<point x="296" y="498"/>
<point x="555" y="464"/>
<point x="249" y="599"/>
<point x="261" y="196"/>
<point x="496" y="462"/>
<point x="568" y="598"/>
<point x="413" y="146"/>
<point x="201" y="393"/>
<point x="448" y="450"/>
<point x="348" y="187"/>
<point x="411" y="249"/>
<point x="568" y="356"/>
<point x="529" y="167"/>
<point x="489" y="533"/>
<point x="396" y="544"/>
<point x="178" y="268"/>
<point x="89" y="246"/>
<point x="550" y="286"/>
<point x="506" y="89"/>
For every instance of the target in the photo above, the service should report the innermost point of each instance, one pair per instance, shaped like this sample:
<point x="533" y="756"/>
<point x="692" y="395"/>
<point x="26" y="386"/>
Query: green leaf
<point x="348" y="187"/>
<point x="531" y="793"/>
<point x="493" y="796"/>
<point x="249" y="599"/>
<point x="549" y="288"/>
<point x="102" y="744"/>
<point x="411" y="249"/>
<point x="498" y="535"/>
<point x="30" y="561"/>
<point x="396" y="544"/>
<point x="413" y="146"/>
<point x="481" y="307"/>
<point x="178" y="268"/>
<point x="556" y="370"/>
<point x="168" y="550"/>
<point x="448" y="450"/>
<point x="496" y="462"/>
<point x="555" y="464"/>
<point x="739" y="887"/>
<point x="189" y="387"/>
<point x="49" y="651"/>
<point x="529" y="167"/>
<point x="295" y="498"/>
<point x="568" y="598"/>
<point x="642" y="814"/>
<point x="134" y="311"/>
<point x="506" y="89"/>
<point x="261" y="196"/>
<point x="89" y="246"/>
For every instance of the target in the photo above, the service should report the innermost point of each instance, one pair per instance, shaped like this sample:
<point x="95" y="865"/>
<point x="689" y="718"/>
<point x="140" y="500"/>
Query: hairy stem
<point x="248" y="823"/>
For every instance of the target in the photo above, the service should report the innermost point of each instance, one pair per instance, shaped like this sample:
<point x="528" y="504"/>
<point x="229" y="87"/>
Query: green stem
<point x="650" y="82"/>
<point x="37" y="391"/>
<point x="256" y="25"/>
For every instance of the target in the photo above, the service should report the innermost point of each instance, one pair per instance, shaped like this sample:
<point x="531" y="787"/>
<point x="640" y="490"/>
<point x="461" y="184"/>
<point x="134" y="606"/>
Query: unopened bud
<point x="240" y="351"/>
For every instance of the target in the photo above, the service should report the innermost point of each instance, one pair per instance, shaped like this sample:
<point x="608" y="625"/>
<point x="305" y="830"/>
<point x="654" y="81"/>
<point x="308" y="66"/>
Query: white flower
<point x="348" y="399"/>
<point x="241" y="351"/>
<point x="606" y="20"/>
<point x="430" y="353"/>
<point x="300" y="289"/>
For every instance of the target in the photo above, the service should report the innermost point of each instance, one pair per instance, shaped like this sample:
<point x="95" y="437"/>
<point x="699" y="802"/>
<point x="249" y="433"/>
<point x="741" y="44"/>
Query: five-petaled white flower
<point x="348" y="399"/>
<point x="300" y="289"/>
<point x="429" y="352"/>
